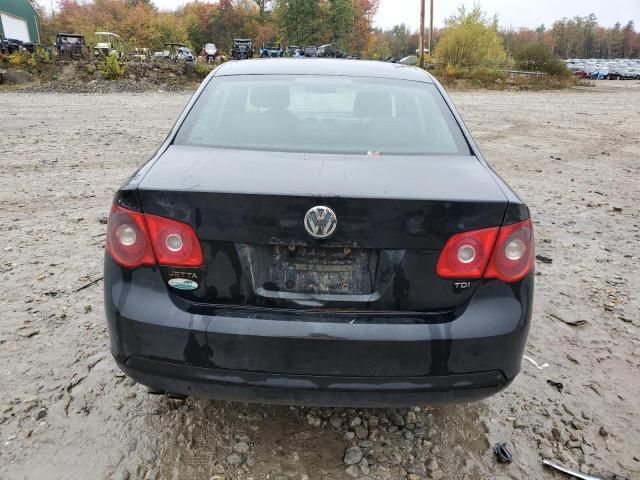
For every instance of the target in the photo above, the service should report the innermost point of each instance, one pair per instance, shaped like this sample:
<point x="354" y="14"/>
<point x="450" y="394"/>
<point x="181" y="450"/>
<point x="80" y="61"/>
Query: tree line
<point x="578" y="37"/>
<point x="347" y="23"/>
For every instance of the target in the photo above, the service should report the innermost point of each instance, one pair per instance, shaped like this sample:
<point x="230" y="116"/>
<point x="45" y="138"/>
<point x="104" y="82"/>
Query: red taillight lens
<point x="127" y="241"/>
<point x="466" y="254"/>
<point x="514" y="254"/>
<point x="174" y="243"/>
<point x="469" y="254"/>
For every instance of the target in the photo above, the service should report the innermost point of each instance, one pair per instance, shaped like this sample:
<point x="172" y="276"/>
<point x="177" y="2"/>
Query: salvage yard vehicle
<point x="71" y="46"/>
<point x="241" y="49"/>
<point x="294" y="51"/>
<point x="390" y="266"/>
<point x="140" y="55"/>
<point x="209" y="52"/>
<point x="310" y="51"/>
<point x="175" y="52"/>
<point x="271" y="50"/>
<point x="329" y="51"/>
<point x="108" y="44"/>
<point x="9" y="45"/>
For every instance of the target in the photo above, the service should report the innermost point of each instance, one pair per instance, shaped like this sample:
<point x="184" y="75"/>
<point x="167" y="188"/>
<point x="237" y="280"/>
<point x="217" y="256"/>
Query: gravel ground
<point x="67" y="412"/>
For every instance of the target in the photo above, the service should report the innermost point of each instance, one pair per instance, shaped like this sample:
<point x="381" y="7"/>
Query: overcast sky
<point x="514" y="13"/>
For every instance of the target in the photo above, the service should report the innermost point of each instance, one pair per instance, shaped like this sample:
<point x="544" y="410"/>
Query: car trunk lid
<point x="394" y="213"/>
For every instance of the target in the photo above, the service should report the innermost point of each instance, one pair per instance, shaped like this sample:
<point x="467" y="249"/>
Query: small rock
<point x="557" y="434"/>
<point x="353" y="471"/>
<point x="355" y="421"/>
<point x="547" y="453"/>
<point x="437" y="475"/>
<point x="573" y="444"/>
<point x="121" y="474"/>
<point x="397" y="419"/>
<point x="314" y="421"/>
<point x="41" y="413"/>
<point x="352" y="456"/>
<point x="603" y="432"/>
<point x="364" y="466"/>
<point x="241" y="447"/>
<point x="617" y="209"/>
<point x="235" y="459"/>
<point x="361" y="432"/>
<point x="335" y="421"/>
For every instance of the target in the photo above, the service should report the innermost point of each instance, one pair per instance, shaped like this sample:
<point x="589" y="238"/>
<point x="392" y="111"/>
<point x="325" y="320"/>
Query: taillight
<point x="505" y="253"/>
<point x="133" y="238"/>
<point x="174" y="243"/>
<point x="127" y="241"/>
<point x="514" y="255"/>
<point x="466" y="254"/>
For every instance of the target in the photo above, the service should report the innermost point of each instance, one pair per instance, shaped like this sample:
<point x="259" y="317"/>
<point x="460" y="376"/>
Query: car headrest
<point x="372" y="104"/>
<point x="271" y="96"/>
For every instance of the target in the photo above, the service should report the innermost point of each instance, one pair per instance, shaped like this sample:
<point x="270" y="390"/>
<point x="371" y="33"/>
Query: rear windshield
<point x="323" y="114"/>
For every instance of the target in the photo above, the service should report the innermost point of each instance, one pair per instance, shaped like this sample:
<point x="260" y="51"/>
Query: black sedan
<point x="322" y="233"/>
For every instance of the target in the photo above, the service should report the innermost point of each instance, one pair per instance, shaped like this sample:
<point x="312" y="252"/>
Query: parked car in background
<point x="601" y="69"/>
<point x="329" y="50"/>
<point x="176" y="52"/>
<point x="271" y="50"/>
<point x="372" y="258"/>
<point x="293" y="51"/>
<point x="9" y="45"/>
<point x="108" y="44"/>
<point x="310" y="51"/>
<point x="632" y="73"/>
<point x="241" y="49"/>
<point x="209" y="52"/>
<point x="140" y="55"/>
<point x="71" y="46"/>
<point x="409" y="60"/>
<point x="185" y="54"/>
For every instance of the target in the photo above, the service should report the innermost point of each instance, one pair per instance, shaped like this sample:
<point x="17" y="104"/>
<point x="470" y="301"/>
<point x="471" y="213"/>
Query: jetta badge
<point x="320" y="222"/>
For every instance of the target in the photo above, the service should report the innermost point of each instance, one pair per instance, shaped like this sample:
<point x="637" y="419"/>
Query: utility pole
<point x="430" y="24"/>
<point x="421" y="42"/>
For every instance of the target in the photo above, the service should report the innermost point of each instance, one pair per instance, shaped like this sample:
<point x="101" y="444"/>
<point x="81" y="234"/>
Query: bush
<point x="470" y="40"/>
<point x="202" y="69"/>
<point x="477" y="76"/>
<point x="22" y="59"/>
<point x="537" y="57"/>
<point x="112" y="68"/>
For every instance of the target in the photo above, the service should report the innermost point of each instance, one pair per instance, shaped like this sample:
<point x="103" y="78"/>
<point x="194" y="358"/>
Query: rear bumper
<point x="312" y="390"/>
<point x="170" y="346"/>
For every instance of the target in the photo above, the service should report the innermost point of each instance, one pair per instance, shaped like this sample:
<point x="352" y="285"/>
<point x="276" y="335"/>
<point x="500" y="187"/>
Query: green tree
<point x="299" y="21"/>
<point x="537" y="57"/>
<point x="469" y="40"/>
<point x="341" y="17"/>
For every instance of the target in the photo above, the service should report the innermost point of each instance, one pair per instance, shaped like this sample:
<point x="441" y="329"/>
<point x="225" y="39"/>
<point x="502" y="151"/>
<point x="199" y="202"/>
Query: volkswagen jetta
<point x="322" y="233"/>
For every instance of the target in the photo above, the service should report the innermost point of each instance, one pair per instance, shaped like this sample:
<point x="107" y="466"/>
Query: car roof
<point x="323" y="66"/>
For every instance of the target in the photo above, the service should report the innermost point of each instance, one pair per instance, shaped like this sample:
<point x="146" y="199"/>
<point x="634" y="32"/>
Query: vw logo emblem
<point x="320" y="222"/>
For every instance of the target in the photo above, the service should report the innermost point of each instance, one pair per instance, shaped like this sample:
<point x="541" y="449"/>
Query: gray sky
<point x="515" y="13"/>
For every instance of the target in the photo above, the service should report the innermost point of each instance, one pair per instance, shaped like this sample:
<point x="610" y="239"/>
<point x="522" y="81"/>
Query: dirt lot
<point x="67" y="412"/>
